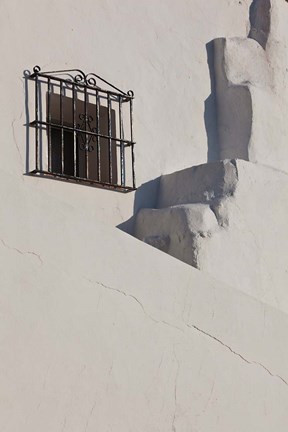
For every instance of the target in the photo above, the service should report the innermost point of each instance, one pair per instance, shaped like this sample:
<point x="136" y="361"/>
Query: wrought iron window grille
<point x="83" y="132"/>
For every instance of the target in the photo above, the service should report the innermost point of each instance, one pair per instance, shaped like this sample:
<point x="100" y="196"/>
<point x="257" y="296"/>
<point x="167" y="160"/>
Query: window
<point x="83" y="132"/>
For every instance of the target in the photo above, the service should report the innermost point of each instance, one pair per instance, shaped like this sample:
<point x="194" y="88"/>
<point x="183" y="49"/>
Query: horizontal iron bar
<point x="85" y="76"/>
<point x="83" y="180"/>
<point x="81" y="74"/>
<point x="69" y="128"/>
<point x="125" y="96"/>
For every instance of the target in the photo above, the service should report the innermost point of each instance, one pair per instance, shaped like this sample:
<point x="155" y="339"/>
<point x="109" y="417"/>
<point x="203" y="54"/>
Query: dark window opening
<point x="86" y="144"/>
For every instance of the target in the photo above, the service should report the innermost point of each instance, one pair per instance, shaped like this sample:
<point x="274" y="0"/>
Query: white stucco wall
<point x="100" y="331"/>
<point x="155" y="48"/>
<point x="118" y="336"/>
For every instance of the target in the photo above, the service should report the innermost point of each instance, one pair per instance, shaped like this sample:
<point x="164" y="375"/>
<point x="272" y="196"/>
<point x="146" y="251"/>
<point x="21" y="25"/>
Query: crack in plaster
<point x="64" y="425"/>
<point x="15" y="140"/>
<point x="161" y="361"/>
<point x="175" y="390"/>
<point x="21" y="252"/>
<point x="124" y="294"/>
<point x="90" y="415"/>
<point x="251" y="362"/>
<point x="120" y="213"/>
<point x="209" y="398"/>
<point x="137" y="301"/>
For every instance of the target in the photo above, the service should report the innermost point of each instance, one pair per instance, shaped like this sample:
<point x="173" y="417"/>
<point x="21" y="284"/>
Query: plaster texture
<point x="246" y="200"/>
<point x="228" y="219"/>
<point x="119" y="336"/>
<point x="251" y="88"/>
<point x="158" y="49"/>
<point x="99" y="331"/>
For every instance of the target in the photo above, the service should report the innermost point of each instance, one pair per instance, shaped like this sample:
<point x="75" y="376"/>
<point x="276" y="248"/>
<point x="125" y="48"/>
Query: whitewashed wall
<point x="95" y="331"/>
<point x="111" y="334"/>
<point x="156" y="48"/>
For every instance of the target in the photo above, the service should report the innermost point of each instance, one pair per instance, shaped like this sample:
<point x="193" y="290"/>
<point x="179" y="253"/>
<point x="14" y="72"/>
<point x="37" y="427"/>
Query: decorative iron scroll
<point x="77" y="76"/>
<point x="86" y="120"/>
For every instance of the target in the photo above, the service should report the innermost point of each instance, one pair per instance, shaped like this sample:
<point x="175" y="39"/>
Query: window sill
<point x="72" y="179"/>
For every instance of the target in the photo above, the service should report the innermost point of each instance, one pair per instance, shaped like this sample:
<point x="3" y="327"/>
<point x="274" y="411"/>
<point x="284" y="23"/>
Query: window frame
<point x="110" y="140"/>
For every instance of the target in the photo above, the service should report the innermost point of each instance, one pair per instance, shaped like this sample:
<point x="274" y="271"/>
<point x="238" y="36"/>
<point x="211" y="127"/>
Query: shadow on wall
<point x="260" y="21"/>
<point x="147" y="194"/>
<point x="210" y="112"/>
<point x="145" y="197"/>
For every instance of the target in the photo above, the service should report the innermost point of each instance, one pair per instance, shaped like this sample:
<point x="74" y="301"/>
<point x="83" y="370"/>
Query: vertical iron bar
<point x="74" y="127"/>
<point x="36" y="124"/>
<point x="62" y="130"/>
<point x="86" y="136"/>
<point x="49" y="125"/>
<point x="122" y="145"/>
<point x="97" y="132"/>
<point x="132" y="141"/>
<point x="110" y="140"/>
<point x="133" y="169"/>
